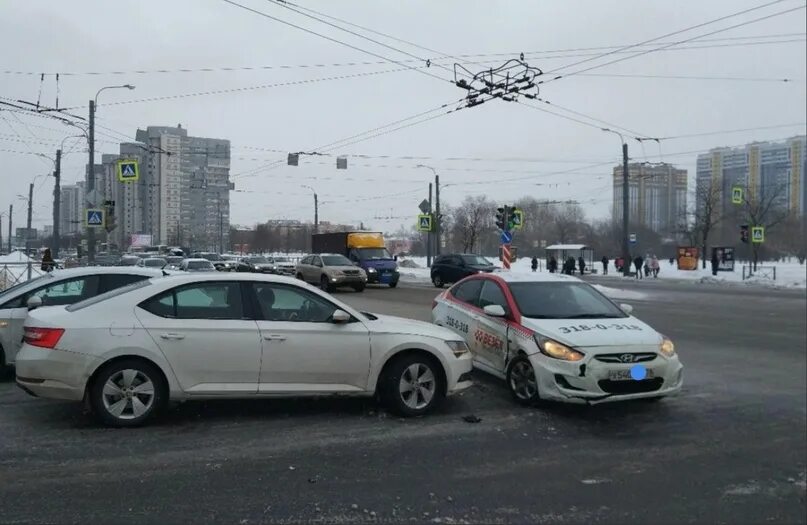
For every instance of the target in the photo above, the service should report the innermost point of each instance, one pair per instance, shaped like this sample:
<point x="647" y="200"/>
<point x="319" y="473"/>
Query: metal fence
<point x="762" y="272"/>
<point x="14" y="273"/>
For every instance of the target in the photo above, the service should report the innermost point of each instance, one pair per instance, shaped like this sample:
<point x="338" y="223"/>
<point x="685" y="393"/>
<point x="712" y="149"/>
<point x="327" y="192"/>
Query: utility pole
<point x="437" y="226"/>
<point x="316" y="213"/>
<point x="221" y="223"/>
<point x="10" y="211"/>
<point x="28" y="228"/>
<point x="625" y="247"/>
<point x="429" y="234"/>
<point x="57" y="196"/>
<point x="91" y="182"/>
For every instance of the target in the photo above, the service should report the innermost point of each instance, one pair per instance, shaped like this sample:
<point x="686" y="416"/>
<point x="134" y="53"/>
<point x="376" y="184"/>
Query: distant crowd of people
<point x="645" y="266"/>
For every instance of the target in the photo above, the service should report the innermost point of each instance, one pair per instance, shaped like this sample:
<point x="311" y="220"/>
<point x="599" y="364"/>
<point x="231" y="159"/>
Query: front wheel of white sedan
<point x="412" y="385"/>
<point x="127" y="393"/>
<point x="522" y="381"/>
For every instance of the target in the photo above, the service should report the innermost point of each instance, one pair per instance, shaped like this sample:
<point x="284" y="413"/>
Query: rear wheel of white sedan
<point x="522" y="381"/>
<point x="412" y="385"/>
<point x="126" y="393"/>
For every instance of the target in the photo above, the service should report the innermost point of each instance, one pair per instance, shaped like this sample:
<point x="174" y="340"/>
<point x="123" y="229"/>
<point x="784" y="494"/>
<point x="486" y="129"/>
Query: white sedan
<point x="555" y="337"/>
<point x="222" y="335"/>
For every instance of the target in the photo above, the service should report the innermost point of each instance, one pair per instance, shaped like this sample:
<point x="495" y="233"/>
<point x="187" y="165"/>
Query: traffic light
<point x="503" y="218"/>
<point x="516" y="218"/>
<point x="744" y="233"/>
<point x="109" y="217"/>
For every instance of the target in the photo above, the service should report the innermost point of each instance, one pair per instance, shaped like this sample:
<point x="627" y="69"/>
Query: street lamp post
<point x="316" y="208"/>
<point x="436" y="220"/>
<point x="625" y="207"/>
<point x="91" y="166"/>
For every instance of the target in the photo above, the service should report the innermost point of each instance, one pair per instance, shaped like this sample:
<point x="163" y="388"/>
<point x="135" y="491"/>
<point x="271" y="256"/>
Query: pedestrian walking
<point x="647" y="265"/>
<point x="48" y="264"/>
<point x="637" y="262"/>
<point x="581" y="264"/>
<point x="715" y="262"/>
<point x="552" y="265"/>
<point x="604" y="265"/>
<point x="534" y="263"/>
<point x="654" y="267"/>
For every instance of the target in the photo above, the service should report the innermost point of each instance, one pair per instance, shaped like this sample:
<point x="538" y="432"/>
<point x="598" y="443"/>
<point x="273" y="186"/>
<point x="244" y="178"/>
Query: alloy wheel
<point x="128" y="394"/>
<point x="417" y="386"/>
<point x="522" y="381"/>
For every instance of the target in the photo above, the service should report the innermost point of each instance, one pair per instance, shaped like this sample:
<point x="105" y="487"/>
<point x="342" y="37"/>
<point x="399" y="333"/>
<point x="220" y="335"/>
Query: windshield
<point x="336" y="260"/>
<point x="128" y="261"/>
<point x="199" y="265"/>
<point x="282" y="259"/>
<point x="8" y="291"/>
<point x="374" y="253"/>
<point x="562" y="301"/>
<point x="256" y="260"/>
<point x="154" y="263"/>
<point x="212" y="256"/>
<point x="475" y="260"/>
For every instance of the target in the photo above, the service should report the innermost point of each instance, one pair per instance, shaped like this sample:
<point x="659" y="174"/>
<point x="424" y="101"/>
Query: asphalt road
<point x="730" y="449"/>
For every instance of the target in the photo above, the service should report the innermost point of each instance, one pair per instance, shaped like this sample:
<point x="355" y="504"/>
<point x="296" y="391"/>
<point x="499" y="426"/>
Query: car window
<point x="455" y="260"/>
<point x="8" y="292"/>
<point x="336" y="260"/>
<point x="116" y="280"/>
<point x="468" y="291"/>
<point x="210" y="300"/>
<point x="316" y="261"/>
<point x="475" y="260"/>
<point x="492" y="294"/>
<point x="200" y="265"/>
<point x="66" y="292"/>
<point x="142" y="283"/>
<point x="291" y="303"/>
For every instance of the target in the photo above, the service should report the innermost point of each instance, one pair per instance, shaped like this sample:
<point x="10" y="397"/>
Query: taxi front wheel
<point x="522" y="382"/>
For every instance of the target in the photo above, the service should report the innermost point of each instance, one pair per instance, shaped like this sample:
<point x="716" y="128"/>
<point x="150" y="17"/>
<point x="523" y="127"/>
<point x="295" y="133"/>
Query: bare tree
<point x="470" y="220"/>
<point x="793" y="236"/>
<point x="568" y="221"/>
<point x="704" y="217"/>
<point x="763" y="208"/>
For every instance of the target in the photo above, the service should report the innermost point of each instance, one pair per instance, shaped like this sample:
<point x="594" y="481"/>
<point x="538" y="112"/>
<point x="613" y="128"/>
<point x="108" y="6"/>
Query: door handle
<point x="172" y="336"/>
<point x="274" y="337"/>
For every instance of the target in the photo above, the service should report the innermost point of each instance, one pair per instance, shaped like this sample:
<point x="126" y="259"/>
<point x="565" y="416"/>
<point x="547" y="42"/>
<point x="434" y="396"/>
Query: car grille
<point x="630" y="387"/>
<point x="351" y="272"/>
<point x="626" y="357"/>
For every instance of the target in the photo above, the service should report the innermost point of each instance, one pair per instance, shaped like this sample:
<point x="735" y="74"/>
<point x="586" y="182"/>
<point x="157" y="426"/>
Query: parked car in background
<point x="59" y="287"/>
<point x="330" y="271"/>
<point x="173" y="261"/>
<point x="283" y="338"/>
<point x="152" y="262"/>
<point x="454" y="267"/>
<point x="283" y="265"/>
<point x="221" y="264"/>
<point x="196" y="265"/>
<point x="255" y="264"/>
<point x="129" y="260"/>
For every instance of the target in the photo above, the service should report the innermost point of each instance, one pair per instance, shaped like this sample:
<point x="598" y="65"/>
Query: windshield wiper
<point x="592" y="316"/>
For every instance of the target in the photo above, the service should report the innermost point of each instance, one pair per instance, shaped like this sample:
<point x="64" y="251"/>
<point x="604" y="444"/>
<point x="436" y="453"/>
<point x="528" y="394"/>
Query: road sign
<point x="736" y="195"/>
<point x="424" y="206"/>
<point x="757" y="234"/>
<point x="128" y="170"/>
<point x="424" y="223"/>
<point x="507" y="237"/>
<point x="94" y="218"/>
<point x="632" y="238"/>
<point x="517" y="219"/>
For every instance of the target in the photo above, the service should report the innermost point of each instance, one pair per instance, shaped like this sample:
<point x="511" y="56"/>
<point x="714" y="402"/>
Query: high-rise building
<point x="657" y="196"/>
<point x="70" y="209"/>
<point x="775" y="169"/>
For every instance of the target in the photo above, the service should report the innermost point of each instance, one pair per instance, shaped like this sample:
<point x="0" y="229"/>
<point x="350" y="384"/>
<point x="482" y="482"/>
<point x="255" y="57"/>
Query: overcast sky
<point x="83" y="36"/>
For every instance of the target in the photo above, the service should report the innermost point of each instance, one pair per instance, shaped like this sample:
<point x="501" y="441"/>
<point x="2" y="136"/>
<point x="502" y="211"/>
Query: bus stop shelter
<point x="561" y="252"/>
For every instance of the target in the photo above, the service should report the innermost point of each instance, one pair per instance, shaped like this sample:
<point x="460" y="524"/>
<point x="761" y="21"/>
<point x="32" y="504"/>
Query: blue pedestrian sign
<point x="425" y="222"/>
<point x="94" y="218"/>
<point x="128" y="170"/>
<point x="507" y="237"/>
<point x="632" y="238"/>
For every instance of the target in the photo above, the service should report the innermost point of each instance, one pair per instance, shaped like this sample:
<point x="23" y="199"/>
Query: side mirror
<point x="494" y="310"/>
<point x="340" y="316"/>
<point x="626" y="308"/>
<point x="394" y="257"/>
<point x="34" y="302"/>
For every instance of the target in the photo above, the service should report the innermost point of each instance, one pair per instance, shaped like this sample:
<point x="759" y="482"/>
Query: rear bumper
<point x="54" y="374"/>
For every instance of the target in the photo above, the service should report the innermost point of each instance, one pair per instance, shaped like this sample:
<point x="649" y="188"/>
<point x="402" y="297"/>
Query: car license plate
<point x="625" y="375"/>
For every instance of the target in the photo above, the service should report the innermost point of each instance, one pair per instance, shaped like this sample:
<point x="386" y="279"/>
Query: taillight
<point x="42" y="337"/>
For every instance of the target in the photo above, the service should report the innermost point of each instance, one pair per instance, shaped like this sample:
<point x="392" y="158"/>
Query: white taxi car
<point x="232" y="335"/>
<point x="555" y="337"/>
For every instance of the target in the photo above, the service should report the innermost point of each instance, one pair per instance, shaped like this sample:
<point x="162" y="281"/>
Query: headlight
<point x="371" y="270"/>
<point x="667" y="348"/>
<point x="557" y="350"/>
<point x="458" y="347"/>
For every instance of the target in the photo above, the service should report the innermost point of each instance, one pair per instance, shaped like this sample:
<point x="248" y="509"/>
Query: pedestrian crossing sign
<point x="757" y="234"/>
<point x="424" y="223"/>
<point x="737" y="195"/>
<point x="128" y="170"/>
<point x="94" y="218"/>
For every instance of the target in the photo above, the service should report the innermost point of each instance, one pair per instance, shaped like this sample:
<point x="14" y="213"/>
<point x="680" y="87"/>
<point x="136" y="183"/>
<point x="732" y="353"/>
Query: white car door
<point x="303" y="349"/>
<point x="14" y="312"/>
<point x="461" y="311"/>
<point x="201" y="328"/>
<point x="491" y="339"/>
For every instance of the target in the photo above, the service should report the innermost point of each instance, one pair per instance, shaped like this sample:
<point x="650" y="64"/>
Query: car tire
<point x="127" y="393"/>
<point x="325" y="284"/>
<point x="359" y="287"/>
<point x="393" y="284"/>
<point x="411" y="385"/>
<point x="521" y="381"/>
<point x="437" y="280"/>
<point x="300" y="277"/>
<point x="5" y="369"/>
